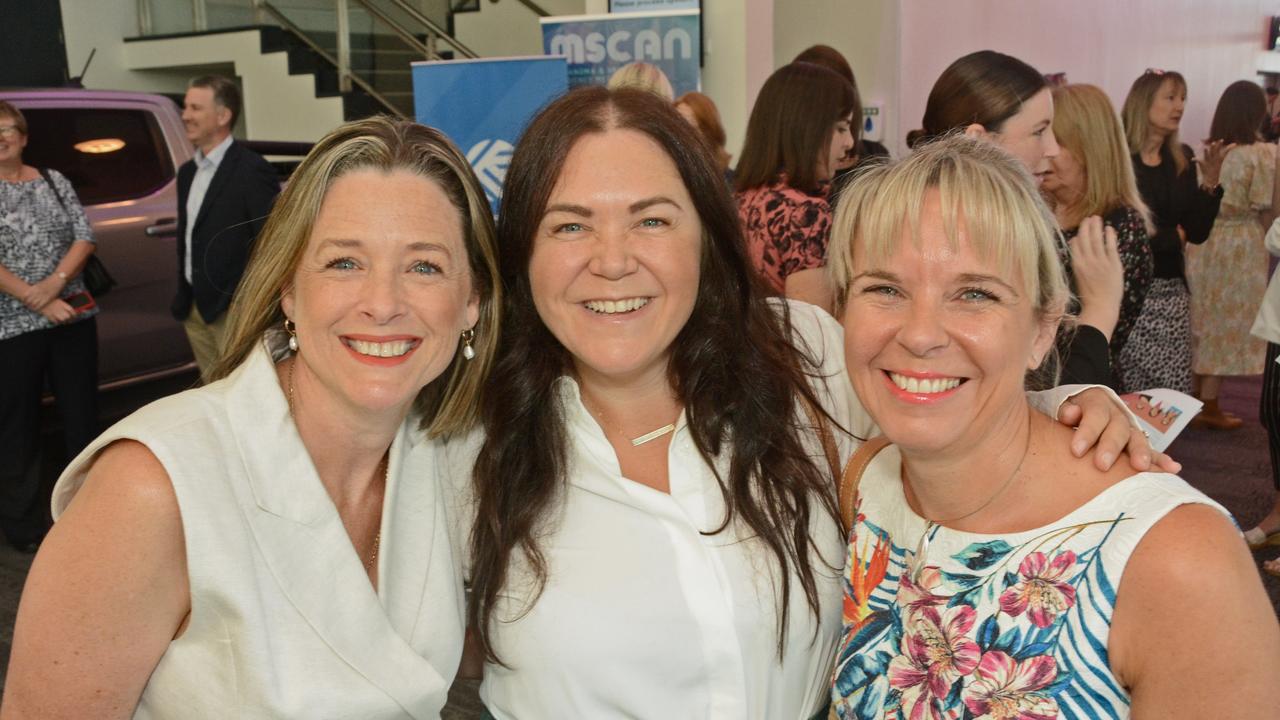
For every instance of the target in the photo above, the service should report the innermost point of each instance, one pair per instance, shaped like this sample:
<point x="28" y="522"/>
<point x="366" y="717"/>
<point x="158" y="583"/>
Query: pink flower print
<point x="1041" y="593"/>
<point x="935" y="653"/>
<point x="918" y="593"/>
<point x="1005" y="689"/>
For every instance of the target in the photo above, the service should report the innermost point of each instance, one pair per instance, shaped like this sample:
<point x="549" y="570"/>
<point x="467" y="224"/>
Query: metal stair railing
<point x="426" y="22"/>
<point x="405" y="36"/>
<point x="409" y="25"/>
<point x="346" y="78"/>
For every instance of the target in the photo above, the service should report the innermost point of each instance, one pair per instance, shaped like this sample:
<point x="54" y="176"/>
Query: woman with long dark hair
<point x="801" y="126"/>
<point x="1227" y="275"/>
<point x="655" y="532"/>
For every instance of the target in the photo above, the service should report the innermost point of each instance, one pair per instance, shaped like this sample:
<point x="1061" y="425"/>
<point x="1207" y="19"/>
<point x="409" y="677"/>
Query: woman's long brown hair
<point x="733" y="366"/>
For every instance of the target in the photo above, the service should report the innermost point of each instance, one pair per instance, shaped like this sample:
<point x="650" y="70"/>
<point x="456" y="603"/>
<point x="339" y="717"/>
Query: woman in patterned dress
<point x="45" y="241"/>
<point x="990" y="574"/>
<point x="1227" y="275"/>
<point x="800" y="128"/>
<point x="1090" y="185"/>
<point x="1158" y="354"/>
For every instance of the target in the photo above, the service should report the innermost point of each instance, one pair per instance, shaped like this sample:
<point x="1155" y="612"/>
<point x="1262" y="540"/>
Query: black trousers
<point x="1269" y="409"/>
<point x="67" y="356"/>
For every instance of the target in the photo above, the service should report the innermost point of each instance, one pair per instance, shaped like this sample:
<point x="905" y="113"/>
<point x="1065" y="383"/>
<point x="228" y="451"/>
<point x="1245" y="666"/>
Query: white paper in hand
<point x="1163" y="413"/>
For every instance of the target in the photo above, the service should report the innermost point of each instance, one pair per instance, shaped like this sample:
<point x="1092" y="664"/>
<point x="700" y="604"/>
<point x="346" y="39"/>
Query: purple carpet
<point x="1234" y="467"/>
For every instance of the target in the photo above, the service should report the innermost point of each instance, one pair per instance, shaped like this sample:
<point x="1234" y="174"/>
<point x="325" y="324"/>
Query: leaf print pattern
<point x="978" y="635"/>
<point x="786" y="230"/>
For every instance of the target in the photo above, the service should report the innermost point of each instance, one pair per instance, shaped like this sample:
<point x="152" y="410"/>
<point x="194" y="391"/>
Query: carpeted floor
<point x="1234" y="467"/>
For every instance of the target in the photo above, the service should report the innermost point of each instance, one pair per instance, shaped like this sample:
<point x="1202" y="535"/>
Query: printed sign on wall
<point x="484" y="105"/>
<point x="596" y="46"/>
<point x="630" y="6"/>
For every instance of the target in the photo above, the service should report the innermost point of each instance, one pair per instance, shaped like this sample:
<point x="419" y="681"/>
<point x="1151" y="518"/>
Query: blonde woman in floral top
<point x="990" y="573"/>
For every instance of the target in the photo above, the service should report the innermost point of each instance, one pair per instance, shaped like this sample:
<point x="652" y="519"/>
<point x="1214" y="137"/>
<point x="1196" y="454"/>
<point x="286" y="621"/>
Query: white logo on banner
<point x="490" y="159"/>
<point x="620" y="47"/>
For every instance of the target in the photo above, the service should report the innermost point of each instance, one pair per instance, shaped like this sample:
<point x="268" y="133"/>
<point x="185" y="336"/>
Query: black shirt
<point x="1175" y="200"/>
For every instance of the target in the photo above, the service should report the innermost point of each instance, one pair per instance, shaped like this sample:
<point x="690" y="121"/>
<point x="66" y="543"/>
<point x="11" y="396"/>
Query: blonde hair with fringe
<point x="981" y="187"/>
<point x="449" y="404"/>
<point x="1136" y="114"/>
<point x="1085" y="123"/>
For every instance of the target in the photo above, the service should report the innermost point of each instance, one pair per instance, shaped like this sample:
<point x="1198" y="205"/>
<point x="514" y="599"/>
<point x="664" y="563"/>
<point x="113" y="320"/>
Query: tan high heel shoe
<point x="1214" y="418"/>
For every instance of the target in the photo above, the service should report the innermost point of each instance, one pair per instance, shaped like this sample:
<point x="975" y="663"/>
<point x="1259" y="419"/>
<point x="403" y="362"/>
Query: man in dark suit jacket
<point x="224" y="196"/>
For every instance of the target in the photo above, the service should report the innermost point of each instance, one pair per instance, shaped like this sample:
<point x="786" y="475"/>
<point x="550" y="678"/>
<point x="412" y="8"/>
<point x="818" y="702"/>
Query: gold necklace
<point x="386" y="473"/>
<point x="377" y="538"/>
<point x="635" y="441"/>
<point x="930" y="526"/>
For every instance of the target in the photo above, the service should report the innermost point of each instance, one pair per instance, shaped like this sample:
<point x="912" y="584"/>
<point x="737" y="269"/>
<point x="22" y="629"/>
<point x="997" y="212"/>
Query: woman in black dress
<point x="1183" y="208"/>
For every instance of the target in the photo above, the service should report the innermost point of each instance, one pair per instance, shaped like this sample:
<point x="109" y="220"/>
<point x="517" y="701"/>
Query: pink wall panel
<point x="1104" y="42"/>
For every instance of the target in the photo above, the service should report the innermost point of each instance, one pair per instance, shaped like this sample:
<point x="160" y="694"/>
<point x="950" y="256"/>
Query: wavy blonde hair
<point x="450" y="403"/>
<point x="980" y="186"/>
<point x="1085" y="123"/>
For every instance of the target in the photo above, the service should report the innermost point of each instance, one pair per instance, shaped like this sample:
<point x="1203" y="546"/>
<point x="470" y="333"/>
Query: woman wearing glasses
<point x="47" y="325"/>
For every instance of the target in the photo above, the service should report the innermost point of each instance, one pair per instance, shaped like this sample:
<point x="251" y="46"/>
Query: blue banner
<point x="484" y="105"/>
<point x="597" y="45"/>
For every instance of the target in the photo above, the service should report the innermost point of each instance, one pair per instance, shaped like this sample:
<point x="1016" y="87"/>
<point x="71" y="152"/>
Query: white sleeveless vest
<point x="284" y="621"/>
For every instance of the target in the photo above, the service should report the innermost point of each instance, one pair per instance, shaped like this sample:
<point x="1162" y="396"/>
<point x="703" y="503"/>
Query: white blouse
<point x="647" y="615"/>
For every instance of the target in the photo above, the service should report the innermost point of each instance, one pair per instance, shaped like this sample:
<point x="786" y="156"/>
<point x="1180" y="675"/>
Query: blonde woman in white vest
<point x="273" y="544"/>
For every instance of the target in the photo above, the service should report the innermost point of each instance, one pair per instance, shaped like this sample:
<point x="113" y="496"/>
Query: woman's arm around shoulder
<point x="1193" y="635"/>
<point x="106" y="594"/>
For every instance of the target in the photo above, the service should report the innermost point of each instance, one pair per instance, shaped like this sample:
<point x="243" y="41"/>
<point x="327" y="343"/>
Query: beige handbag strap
<point x="848" y="490"/>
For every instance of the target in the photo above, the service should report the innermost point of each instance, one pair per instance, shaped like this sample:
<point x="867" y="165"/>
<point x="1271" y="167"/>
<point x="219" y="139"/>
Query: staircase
<point x="382" y="38"/>
<point x="358" y="52"/>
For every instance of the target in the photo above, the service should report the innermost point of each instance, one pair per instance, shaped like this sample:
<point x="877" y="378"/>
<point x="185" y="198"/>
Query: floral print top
<point x="1006" y="627"/>
<point x="35" y="232"/>
<point x="1139" y="267"/>
<point x="786" y="229"/>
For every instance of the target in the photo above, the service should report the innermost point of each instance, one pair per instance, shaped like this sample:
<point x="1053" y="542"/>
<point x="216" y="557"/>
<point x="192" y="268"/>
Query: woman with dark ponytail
<point x="999" y="98"/>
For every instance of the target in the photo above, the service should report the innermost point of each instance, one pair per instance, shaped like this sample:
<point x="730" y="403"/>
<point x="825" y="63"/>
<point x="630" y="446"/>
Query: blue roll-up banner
<point x="597" y="45"/>
<point x="483" y="106"/>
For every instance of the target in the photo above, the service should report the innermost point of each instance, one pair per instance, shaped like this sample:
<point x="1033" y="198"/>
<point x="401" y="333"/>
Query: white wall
<point x="508" y="28"/>
<point x="864" y="31"/>
<point x="1102" y="42"/>
<point x="104" y="24"/>
<point x="277" y="105"/>
<point x="738" y="36"/>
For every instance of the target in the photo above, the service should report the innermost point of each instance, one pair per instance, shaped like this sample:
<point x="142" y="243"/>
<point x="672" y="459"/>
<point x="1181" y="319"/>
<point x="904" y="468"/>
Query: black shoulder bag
<point x="96" y="278"/>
